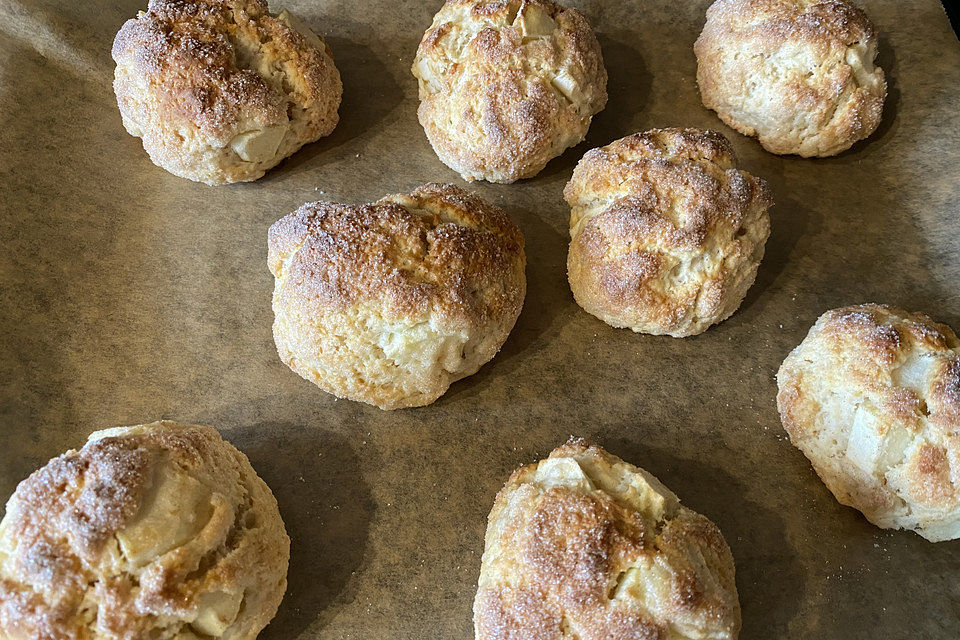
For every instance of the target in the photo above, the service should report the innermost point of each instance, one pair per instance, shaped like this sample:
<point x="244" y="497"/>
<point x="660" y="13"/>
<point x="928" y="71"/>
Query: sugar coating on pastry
<point x="389" y="303"/>
<point x="584" y="546"/>
<point x="153" y="531"/>
<point x="872" y="397"/>
<point x="797" y="74"/>
<point x="666" y="233"/>
<point x="221" y="91"/>
<point x="507" y="85"/>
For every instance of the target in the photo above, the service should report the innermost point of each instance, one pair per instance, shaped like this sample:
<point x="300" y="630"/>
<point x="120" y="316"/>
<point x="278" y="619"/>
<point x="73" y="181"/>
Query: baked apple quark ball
<point x="584" y="546"/>
<point x="797" y="74"/>
<point x="666" y="233"/>
<point x="154" y="531"/>
<point x="507" y="85"/>
<point x="221" y="91"/>
<point x="872" y="397"/>
<point x="391" y="302"/>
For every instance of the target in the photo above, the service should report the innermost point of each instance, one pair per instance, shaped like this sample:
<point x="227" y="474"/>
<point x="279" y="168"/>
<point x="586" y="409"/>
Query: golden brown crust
<point x="388" y="303"/>
<point x="797" y="74"/>
<point x="872" y="397"/>
<point x="585" y="546"/>
<point x="220" y="90"/>
<point x="159" y="529"/>
<point x="666" y="233"/>
<point x="507" y="85"/>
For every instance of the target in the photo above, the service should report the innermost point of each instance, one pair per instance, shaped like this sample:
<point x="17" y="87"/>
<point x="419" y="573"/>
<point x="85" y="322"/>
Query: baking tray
<point x="130" y="295"/>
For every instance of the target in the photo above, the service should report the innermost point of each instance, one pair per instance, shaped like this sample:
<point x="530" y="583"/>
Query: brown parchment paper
<point x="129" y="295"/>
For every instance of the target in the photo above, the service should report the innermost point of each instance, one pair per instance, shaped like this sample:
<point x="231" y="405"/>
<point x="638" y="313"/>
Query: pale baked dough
<point x="507" y="85"/>
<point x="221" y="91"/>
<point x="389" y="303"/>
<point x="155" y="531"/>
<point x="797" y="74"/>
<point x="872" y="397"/>
<point x="583" y="546"/>
<point x="666" y="233"/>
